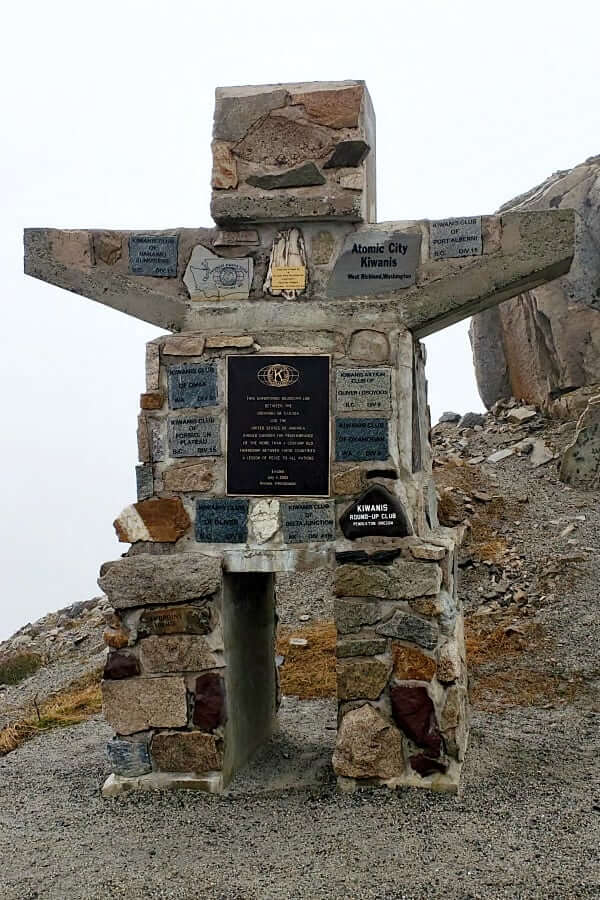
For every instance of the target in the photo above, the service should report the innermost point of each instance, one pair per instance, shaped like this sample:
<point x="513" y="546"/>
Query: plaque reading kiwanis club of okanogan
<point x="278" y="425"/>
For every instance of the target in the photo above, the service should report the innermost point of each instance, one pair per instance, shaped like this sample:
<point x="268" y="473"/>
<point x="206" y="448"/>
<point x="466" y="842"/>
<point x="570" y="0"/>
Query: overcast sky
<point x="106" y="121"/>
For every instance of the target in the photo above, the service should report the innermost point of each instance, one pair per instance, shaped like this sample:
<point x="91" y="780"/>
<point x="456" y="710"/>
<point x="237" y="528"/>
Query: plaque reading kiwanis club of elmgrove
<point x="375" y="262"/>
<point x="278" y="425"/>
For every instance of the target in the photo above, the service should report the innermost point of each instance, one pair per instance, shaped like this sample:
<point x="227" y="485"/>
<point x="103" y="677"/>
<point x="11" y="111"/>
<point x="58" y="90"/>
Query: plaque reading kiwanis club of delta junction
<point x="278" y="425"/>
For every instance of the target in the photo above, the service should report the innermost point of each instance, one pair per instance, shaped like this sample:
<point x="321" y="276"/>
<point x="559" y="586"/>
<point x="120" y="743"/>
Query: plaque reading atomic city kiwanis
<point x="455" y="237"/>
<point x="153" y="254"/>
<point x="375" y="262"/>
<point x="278" y="425"/>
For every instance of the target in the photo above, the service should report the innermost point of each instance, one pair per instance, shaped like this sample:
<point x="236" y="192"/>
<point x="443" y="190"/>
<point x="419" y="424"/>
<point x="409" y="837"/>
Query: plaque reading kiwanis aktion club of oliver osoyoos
<point x="278" y="425"/>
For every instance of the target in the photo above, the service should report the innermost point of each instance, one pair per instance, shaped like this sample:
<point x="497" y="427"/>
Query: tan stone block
<point x="189" y="476"/>
<point x="147" y="580"/>
<point x="143" y="440"/>
<point x="361" y="677"/>
<point x="176" y="653"/>
<point x="350" y="481"/>
<point x="411" y="664"/>
<point x="426" y="606"/>
<point x="428" y="552"/>
<point x="221" y="341"/>
<point x="107" y="247"/>
<point x="162" y="520"/>
<point x="152" y="366"/>
<point x="338" y="108"/>
<point x="448" y="668"/>
<point x="186" y="751"/>
<point x="368" y="746"/>
<point x="322" y="247"/>
<point x="136" y="704"/>
<point x="184" y="345"/>
<point x="116" y="637"/>
<point x="151" y="400"/>
<point x="224" y="171"/>
<point x="453" y="707"/>
<point x="369" y="346"/>
<point x="354" y="181"/>
<point x="72" y="248"/>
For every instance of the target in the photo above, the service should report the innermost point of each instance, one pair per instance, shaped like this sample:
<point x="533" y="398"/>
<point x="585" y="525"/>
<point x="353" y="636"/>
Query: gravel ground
<point x="527" y="824"/>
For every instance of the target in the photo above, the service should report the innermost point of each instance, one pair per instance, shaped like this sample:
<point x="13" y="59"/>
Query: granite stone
<point x="186" y="751"/>
<point x="176" y="653"/>
<point x="413" y="712"/>
<point x="361" y="678"/>
<point x="368" y="746"/>
<point x="128" y="758"/>
<point x="136" y="704"/>
<point x="209" y="701"/>
<point x="121" y="665"/>
<point x="146" y="580"/>
<point x="410" y="628"/>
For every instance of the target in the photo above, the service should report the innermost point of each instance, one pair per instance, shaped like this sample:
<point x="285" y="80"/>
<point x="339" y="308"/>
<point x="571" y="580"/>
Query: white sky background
<point x="106" y="122"/>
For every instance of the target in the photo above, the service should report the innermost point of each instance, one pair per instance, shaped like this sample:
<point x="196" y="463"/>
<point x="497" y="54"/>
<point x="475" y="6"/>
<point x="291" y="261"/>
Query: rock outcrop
<point x="545" y="343"/>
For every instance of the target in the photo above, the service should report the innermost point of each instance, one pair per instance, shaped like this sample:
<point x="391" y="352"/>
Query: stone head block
<point x="289" y="152"/>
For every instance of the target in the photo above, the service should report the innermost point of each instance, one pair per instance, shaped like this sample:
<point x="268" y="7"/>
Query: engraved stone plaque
<point x="455" y="237"/>
<point x="176" y="620"/>
<point x="212" y="277"/>
<point x="153" y="254"/>
<point x="192" y="385"/>
<point x="144" y="482"/>
<point x="222" y="520"/>
<point x="363" y="389"/>
<point x="306" y="521"/>
<point x="375" y="262"/>
<point x="278" y="425"/>
<point x="357" y="439"/>
<point x="194" y="436"/>
<point x="376" y="512"/>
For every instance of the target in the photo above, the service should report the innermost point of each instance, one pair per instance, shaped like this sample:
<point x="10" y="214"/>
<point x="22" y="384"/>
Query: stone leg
<point x="401" y="672"/>
<point x="189" y="684"/>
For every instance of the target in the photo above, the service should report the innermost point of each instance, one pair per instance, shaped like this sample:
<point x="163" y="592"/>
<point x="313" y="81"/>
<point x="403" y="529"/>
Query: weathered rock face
<point x="136" y="704"/>
<point x="580" y="464"/>
<point x="546" y="342"/>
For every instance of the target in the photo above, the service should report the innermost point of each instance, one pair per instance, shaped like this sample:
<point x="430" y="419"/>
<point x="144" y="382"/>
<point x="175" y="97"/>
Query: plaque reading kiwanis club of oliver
<point x="278" y="425"/>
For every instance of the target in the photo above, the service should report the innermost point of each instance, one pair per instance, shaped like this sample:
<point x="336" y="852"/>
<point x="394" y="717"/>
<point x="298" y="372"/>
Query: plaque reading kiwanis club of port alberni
<point x="278" y="425"/>
<point x="375" y="262"/>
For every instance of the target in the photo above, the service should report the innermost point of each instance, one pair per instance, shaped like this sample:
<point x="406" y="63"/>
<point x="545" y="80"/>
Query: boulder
<point x="580" y="464"/>
<point x="546" y="342"/>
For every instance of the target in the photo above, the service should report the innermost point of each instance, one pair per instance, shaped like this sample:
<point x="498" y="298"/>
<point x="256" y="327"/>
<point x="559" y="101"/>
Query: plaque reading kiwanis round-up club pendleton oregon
<point x="278" y="425"/>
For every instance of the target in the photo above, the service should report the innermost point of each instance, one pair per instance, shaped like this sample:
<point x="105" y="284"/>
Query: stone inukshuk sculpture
<point x="284" y="426"/>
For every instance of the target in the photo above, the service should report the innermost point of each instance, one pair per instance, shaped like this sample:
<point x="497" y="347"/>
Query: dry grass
<point x="308" y="672"/>
<point x="524" y="687"/>
<point x="18" y="666"/>
<point x="486" y="644"/>
<point x="76" y="703"/>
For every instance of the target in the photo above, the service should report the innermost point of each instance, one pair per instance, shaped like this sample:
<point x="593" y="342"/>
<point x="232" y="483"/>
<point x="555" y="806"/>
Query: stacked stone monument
<point x="285" y="426"/>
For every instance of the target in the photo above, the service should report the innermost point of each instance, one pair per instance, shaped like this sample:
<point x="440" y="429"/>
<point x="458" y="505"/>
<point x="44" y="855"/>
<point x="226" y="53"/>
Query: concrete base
<point x="211" y="783"/>
<point x="447" y="783"/>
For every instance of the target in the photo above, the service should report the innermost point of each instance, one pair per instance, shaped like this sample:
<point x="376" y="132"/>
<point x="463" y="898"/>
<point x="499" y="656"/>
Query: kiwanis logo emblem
<point x="278" y="375"/>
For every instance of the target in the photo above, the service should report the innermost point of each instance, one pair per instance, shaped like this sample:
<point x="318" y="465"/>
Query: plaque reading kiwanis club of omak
<point x="278" y="425"/>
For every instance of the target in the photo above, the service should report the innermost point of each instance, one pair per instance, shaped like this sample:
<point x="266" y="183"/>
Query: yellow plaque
<point x="288" y="278"/>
